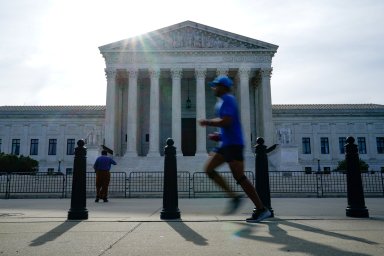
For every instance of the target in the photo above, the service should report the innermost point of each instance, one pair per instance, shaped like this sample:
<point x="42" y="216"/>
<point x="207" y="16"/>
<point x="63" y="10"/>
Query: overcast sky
<point x="330" y="51"/>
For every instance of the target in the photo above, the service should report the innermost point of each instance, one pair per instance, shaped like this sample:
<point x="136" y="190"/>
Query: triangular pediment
<point x="188" y="35"/>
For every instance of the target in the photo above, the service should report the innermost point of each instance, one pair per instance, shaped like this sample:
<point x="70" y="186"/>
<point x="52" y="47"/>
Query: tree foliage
<point x="342" y="166"/>
<point x="13" y="163"/>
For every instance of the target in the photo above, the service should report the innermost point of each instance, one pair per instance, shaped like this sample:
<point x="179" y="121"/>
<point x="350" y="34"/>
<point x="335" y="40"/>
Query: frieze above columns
<point x="115" y="58"/>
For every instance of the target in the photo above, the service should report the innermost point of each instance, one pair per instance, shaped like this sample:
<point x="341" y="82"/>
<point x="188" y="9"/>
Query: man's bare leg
<point x="237" y="168"/>
<point x="214" y="161"/>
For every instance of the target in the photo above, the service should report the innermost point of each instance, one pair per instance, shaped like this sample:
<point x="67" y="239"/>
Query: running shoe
<point x="259" y="215"/>
<point x="233" y="205"/>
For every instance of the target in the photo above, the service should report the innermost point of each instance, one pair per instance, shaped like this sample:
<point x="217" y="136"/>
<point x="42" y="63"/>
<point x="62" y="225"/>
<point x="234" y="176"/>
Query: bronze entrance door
<point x="188" y="136"/>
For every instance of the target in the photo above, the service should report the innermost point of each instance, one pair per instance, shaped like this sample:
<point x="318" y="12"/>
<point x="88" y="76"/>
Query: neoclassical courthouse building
<point x="157" y="88"/>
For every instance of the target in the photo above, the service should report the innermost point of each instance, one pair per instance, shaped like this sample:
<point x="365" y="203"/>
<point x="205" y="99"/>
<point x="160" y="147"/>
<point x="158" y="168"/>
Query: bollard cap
<point x="350" y="140"/>
<point x="170" y="142"/>
<point x="81" y="143"/>
<point x="259" y="141"/>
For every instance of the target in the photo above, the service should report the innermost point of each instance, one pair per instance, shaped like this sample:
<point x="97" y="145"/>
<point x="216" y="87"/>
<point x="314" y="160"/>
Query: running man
<point x="230" y="149"/>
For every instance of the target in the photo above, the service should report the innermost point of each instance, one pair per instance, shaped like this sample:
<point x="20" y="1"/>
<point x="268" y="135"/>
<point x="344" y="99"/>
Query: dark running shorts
<point x="231" y="152"/>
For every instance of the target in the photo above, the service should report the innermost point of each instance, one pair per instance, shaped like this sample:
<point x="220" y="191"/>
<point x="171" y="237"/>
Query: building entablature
<point x="327" y="110"/>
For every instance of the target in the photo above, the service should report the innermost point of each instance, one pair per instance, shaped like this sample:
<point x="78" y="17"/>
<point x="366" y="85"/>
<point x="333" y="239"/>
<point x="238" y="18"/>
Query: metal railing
<point x="45" y="184"/>
<point x="203" y="185"/>
<point x="150" y="184"/>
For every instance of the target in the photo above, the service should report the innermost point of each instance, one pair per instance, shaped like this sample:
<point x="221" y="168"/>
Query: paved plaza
<point x="301" y="226"/>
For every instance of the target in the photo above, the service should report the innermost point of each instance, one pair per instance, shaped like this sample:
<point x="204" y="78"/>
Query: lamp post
<point x="188" y="103"/>
<point x="58" y="169"/>
<point x="318" y="166"/>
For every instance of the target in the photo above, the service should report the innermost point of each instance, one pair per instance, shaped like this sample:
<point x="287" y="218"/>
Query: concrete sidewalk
<point x="302" y="226"/>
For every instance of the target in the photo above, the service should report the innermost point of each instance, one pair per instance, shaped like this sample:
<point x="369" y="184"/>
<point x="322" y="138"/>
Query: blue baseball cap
<point x="222" y="80"/>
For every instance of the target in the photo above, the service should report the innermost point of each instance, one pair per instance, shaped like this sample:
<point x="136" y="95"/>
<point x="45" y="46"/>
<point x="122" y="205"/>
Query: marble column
<point x="43" y="143"/>
<point x="201" y="134"/>
<point x="61" y="143"/>
<point x="333" y="142"/>
<point x="25" y="143"/>
<point x="132" y="122"/>
<point x="315" y="143"/>
<point x="110" y="113"/>
<point x="256" y="93"/>
<point x="154" y="114"/>
<point x="7" y="139"/>
<point x="118" y="122"/>
<point x="245" y="108"/>
<point x="265" y="106"/>
<point x="371" y="141"/>
<point x="176" y="108"/>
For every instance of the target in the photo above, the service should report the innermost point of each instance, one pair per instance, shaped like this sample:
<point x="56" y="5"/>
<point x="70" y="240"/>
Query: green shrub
<point x="342" y="166"/>
<point x="13" y="163"/>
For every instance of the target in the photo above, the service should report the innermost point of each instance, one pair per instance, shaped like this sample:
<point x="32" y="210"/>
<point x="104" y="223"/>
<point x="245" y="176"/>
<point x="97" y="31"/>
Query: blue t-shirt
<point x="231" y="134"/>
<point x="103" y="163"/>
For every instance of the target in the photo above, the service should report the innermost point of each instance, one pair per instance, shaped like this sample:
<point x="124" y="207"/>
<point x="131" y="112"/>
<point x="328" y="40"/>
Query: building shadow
<point x="54" y="233"/>
<point x="293" y="244"/>
<point x="187" y="233"/>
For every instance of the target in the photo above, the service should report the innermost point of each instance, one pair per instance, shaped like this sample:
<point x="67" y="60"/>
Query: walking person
<point x="102" y="168"/>
<point x="230" y="149"/>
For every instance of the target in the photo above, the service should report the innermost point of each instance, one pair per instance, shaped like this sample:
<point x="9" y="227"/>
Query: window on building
<point x="306" y="145"/>
<point x="15" y="147"/>
<point x="308" y="169"/>
<point x="52" y="146"/>
<point x="70" y="146"/>
<point x="50" y="171"/>
<point x="327" y="170"/>
<point x="380" y="145"/>
<point x="361" y="145"/>
<point x="342" y="142"/>
<point x="34" y="150"/>
<point x="69" y="171"/>
<point x="324" y="145"/>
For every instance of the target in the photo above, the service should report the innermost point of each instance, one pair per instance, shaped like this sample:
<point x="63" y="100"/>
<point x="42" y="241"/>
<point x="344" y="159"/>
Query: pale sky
<point x="330" y="51"/>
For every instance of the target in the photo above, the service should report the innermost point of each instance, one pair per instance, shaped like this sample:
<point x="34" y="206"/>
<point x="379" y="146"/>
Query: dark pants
<point x="102" y="183"/>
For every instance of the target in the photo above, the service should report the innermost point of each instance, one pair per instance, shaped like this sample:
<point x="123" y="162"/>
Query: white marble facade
<point x="63" y="123"/>
<point x="156" y="87"/>
<point x="150" y="78"/>
<point x="50" y="133"/>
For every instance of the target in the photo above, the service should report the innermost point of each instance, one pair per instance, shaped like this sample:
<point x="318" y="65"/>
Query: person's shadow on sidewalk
<point x="188" y="233"/>
<point x="295" y="244"/>
<point x="54" y="233"/>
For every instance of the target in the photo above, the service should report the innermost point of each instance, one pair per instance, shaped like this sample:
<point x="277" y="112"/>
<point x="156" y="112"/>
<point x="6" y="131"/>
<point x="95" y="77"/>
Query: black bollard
<point x="170" y="196"/>
<point x="262" y="174"/>
<point x="356" y="203"/>
<point x="78" y="209"/>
